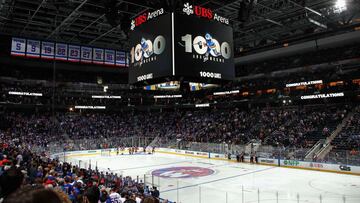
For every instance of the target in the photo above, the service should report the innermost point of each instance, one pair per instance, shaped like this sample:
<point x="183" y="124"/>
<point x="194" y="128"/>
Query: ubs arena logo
<point x="189" y="9"/>
<point x="143" y="18"/>
<point x="206" y="48"/>
<point x="183" y="172"/>
<point x="147" y="50"/>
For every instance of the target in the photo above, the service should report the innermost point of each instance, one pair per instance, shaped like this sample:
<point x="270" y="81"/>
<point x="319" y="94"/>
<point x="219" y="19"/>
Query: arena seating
<point x="346" y="146"/>
<point x="286" y="126"/>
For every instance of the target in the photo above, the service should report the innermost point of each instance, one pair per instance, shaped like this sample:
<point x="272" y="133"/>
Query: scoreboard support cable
<point x="173" y="43"/>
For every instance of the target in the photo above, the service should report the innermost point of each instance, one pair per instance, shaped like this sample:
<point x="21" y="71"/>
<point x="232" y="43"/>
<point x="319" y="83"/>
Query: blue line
<point x="221" y="179"/>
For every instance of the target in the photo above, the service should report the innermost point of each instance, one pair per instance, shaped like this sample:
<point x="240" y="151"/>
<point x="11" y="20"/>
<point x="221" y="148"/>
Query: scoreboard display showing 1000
<point x="199" y="44"/>
<point x="181" y="46"/>
<point x="150" y="52"/>
<point x="203" y="48"/>
<point x="156" y="47"/>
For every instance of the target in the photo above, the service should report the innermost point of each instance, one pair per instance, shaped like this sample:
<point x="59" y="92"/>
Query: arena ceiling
<point x="85" y="21"/>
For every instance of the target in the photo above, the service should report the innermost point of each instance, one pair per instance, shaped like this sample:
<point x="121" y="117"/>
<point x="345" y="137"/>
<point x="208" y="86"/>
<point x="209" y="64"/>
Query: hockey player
<point x="145" y="48"/>
<point x="211" y="47"/>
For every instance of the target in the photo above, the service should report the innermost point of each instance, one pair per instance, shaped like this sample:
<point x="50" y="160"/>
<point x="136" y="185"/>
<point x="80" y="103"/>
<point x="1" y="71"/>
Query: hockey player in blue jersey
<point x="211" y="47"/>
<point x="145" y="48"/>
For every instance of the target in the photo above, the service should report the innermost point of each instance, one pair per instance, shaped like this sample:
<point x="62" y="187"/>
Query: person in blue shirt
<point x="68" y="187"/>
<point x="76" y="191"/>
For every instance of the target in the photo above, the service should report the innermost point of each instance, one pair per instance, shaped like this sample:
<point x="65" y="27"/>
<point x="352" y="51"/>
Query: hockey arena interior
<point x="176" y="101"/>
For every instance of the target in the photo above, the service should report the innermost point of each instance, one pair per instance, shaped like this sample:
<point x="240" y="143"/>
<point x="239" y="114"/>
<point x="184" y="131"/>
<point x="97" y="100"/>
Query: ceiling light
<point x="340" y="6"/>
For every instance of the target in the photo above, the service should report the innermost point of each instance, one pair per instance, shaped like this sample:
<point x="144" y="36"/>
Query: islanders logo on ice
<point x="183" y="172"/>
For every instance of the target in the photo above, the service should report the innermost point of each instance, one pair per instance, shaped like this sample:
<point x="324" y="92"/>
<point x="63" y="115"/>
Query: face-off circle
<point x="182" y="172"/>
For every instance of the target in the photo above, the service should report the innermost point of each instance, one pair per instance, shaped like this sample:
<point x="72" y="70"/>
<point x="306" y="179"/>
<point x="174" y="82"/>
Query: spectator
<point x="30" y="195"/>
<point x="10" y="181"/>
<point x="155" y="193"/>
<point x="91" y="195"/>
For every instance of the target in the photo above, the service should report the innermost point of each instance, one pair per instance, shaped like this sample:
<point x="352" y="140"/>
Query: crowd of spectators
<point x="29" y="177"/>
<point x="278" y="126"/>
<point x="349" y="137"/>
<point x="301" y="128"/>
<point x="346" y="146"/>
<point x="285" y="127"/>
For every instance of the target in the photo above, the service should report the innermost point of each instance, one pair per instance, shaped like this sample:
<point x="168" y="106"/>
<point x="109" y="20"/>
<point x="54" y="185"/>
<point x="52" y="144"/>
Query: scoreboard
<point x="151" y="49"/>
<point x="203" y="48"/>
<point x="181" y="47"/>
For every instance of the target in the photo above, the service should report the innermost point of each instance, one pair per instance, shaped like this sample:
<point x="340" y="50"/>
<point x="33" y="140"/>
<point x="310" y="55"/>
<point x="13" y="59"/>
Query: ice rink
<point x="194" y="180"/>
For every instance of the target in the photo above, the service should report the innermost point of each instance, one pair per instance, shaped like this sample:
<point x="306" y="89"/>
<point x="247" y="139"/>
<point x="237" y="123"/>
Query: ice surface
<point x="233" y="182"/>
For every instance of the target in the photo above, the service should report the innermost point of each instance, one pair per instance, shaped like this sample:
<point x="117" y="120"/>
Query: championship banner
<point x="33" y="49"/>
<point x="109" y="57"/>
<point x="61" y="52"/>
<point x="47" y="50"/>
<point x="86" y="54"/>
<point x="120" y="58"/>
<point x="74" y="53"/>
<point x="18" y="46"/>
<point x="98" y="56"/>
<point x="65" y="52"/>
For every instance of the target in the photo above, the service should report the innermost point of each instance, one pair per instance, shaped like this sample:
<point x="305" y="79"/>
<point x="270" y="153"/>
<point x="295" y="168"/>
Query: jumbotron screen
<point x="203" y="48"/>
<point x="150" y="54"/>
<point x="180" y="47"/>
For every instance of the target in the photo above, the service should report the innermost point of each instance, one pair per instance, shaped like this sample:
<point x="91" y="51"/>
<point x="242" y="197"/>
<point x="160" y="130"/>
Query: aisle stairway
<point x="327" y="147"/>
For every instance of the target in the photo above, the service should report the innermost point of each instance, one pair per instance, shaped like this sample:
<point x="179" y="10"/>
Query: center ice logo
<point x="182" y="172"/>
